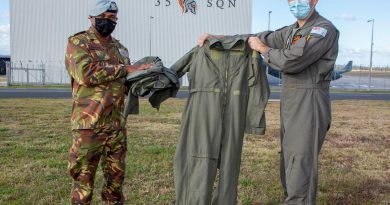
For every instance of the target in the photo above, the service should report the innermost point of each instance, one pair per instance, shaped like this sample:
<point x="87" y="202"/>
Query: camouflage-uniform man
<point x="98" y="64"/>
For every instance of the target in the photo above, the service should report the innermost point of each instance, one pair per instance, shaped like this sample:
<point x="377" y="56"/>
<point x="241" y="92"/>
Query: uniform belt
<point x="210" y="90"/>
<point x="323" y="85"/>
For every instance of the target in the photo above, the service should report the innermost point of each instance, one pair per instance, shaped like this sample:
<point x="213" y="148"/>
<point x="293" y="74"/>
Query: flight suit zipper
<point x="225" y="93"/>
<point x="225" y="85"/>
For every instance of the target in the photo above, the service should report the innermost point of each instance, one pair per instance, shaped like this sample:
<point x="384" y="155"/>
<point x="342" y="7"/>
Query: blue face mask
<point x="300" y="8"/>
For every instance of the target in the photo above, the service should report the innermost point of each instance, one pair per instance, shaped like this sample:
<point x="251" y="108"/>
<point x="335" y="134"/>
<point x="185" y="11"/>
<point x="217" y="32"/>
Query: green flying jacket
<point x="228" y="94"/>
<point x="159" y="81"/>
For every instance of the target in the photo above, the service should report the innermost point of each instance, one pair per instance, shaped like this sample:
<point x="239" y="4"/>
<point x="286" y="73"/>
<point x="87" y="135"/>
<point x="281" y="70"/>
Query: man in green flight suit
<point x="98" y="65"/>
<point x="305" y="52"/>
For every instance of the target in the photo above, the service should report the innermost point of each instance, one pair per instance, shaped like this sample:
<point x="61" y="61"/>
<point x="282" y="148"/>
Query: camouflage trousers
<point x="89" y="147"/>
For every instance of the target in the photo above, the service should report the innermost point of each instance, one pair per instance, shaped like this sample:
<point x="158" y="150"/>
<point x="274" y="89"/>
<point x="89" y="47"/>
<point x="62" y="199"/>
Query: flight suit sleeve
<point x="301" y="55"/>
<point x="87" y="71"/>
<point x="259" y="93"/>
<point x="183" y="65"/>
<point x="274" y="39"/>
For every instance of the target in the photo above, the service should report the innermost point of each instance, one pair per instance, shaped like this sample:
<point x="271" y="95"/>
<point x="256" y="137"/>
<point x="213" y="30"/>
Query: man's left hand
<point x="132" y="68"/>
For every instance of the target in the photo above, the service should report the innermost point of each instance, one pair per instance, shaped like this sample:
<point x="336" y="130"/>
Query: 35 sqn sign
<point x="192" y="5"/>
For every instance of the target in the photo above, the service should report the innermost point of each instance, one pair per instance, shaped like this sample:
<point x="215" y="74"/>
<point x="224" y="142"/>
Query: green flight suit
<point x="306" y="59"/>
<point x="226" y="80"/>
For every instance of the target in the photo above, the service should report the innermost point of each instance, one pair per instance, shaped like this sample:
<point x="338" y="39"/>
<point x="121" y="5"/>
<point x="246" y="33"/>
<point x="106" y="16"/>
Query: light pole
<point x="150" y="35"/>
<point x="372" y="45"/>
<point x="269" y="23"/>
<point x="269" y="19"/>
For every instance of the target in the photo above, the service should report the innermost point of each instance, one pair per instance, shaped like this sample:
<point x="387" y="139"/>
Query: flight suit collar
<point x="232" y="43"/>
<point x="310" y="22"/>
<point x="295" y="30"/>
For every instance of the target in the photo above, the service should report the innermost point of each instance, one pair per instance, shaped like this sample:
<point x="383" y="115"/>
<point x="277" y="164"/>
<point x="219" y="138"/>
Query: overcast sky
<point x="349" y="16"/>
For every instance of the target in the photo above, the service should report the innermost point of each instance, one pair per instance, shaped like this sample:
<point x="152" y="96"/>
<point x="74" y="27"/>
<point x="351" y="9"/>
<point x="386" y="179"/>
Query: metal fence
<point x="54" y="73"/>
<point x="359" y="79"/>
<point x="37" y="73"/>
<point x="43" y="73"/>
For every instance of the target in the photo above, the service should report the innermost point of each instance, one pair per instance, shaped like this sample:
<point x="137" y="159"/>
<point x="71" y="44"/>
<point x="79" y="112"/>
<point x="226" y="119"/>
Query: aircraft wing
<point x="337" y="74"/>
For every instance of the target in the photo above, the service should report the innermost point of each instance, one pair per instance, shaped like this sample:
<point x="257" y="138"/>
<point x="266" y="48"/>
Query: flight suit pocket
<point x="289" y="166"/>
<point x="298" y="175"/>
<point x="253" y="72"/>
<point x="252" y="76"/>
<point x="202" y="172"/>
<point x="298" y="48"/>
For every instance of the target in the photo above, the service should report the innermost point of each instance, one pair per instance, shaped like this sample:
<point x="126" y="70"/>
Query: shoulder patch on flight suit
<point x="318" y="32"/>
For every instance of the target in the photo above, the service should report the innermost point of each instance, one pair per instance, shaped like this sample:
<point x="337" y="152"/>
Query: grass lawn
<point x="365" y="73"/>
<point x="35" y="139"/>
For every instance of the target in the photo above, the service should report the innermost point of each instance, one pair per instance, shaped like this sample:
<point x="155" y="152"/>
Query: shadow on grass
<point x="367" y="191"/>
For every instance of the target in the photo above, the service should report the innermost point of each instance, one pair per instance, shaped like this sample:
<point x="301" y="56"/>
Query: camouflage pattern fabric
<point x="89" y="147"/>
<point x="97" y="69"/>
<point x="97" y="73"/>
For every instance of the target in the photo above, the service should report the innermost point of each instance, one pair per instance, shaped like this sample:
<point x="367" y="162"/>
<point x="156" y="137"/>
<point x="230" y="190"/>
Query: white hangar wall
<point x="40" y="28"/>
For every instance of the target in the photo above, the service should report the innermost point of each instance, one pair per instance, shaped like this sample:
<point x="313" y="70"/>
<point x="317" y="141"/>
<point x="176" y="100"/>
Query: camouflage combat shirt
<point x="98" y="71"/>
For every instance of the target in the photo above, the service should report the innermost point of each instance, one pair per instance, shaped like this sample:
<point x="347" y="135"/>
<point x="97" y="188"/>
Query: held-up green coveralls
<point x="228" y="94"/>
<point x="306" y="59"/>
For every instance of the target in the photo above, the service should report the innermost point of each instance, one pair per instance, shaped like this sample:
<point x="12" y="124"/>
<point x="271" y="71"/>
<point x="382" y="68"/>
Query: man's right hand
<point x="132" y="68"/>
<point x="206" y="36"/>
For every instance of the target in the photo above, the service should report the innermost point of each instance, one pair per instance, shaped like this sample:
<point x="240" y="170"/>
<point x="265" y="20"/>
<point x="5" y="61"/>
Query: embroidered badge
<point x="318" y="32"/>
<point x="296" y="39"/>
